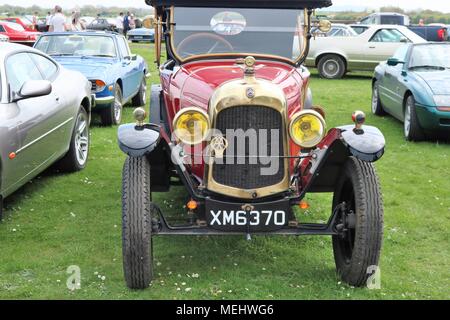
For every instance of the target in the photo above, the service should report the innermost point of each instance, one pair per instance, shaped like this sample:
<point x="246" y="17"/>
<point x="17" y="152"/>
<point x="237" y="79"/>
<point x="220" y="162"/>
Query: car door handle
<point x="372" y="47"/>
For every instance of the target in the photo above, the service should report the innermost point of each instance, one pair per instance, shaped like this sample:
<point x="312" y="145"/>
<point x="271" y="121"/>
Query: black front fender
<point x="138" y="141"/>
<point x="367" y="145"/>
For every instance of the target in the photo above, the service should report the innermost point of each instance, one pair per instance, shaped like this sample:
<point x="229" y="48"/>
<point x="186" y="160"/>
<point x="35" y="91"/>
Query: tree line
<point x="88" y="10"/>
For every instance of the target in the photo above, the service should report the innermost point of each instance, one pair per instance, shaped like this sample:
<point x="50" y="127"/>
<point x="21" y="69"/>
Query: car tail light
<point x="441" y="34"/>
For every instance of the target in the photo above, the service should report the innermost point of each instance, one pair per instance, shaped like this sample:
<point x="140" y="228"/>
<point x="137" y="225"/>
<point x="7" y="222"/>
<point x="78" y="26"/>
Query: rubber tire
<point x="69" y="163"/>
<point x="139" y="99"/>
<point x="107" y="114"/>
<point x="415" y="131"/>
<point x="340" y="62"/>
<point x="378" y="111"/>
<point x="369" y="222"/>
<point x="136" y="223"/>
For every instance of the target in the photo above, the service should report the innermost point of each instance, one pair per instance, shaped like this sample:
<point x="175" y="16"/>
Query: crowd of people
<point x="56" y="21"/>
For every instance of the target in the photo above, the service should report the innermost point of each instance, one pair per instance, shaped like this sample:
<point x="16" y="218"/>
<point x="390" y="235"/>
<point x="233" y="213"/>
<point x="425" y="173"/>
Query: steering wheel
<point x="217" y="40"/>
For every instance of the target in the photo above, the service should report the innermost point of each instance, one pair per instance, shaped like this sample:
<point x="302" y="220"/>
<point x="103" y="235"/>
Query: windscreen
<point x="77" y="45"/>
<point x="431" y="56"/>
<point x="206" y="31"/>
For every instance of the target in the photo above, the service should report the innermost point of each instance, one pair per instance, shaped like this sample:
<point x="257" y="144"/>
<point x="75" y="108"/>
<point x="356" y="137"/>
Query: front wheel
<point x="112" y="115"/>
<point x="139" y="99"/>
<point x="136" y="223"/>
<point x="412" y="129"/>
<point x="77" y="156"/>
<point x="357" y="249"/>
<point x="377" y="108"/>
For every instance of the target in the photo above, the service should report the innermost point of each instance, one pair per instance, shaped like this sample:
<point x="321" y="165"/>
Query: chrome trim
<point x="43" y="136"/>
<point x="104" y="100"/>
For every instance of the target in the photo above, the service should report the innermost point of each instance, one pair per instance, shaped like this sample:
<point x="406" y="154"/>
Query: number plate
<point x="255" y="217"/>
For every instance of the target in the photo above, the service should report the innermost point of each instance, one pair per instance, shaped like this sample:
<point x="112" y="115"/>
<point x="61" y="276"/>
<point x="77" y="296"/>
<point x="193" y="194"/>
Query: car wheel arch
<point x="408" y="93"/>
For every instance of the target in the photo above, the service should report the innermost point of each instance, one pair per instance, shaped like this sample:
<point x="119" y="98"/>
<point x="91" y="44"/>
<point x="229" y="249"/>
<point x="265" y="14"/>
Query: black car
<point x="101" y="24"/>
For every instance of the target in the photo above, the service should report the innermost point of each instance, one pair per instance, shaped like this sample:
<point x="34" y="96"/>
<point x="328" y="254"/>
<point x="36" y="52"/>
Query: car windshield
<point x="430" y="56"/>
<point x="77" y="45"/>
<point x="206" y="31"/>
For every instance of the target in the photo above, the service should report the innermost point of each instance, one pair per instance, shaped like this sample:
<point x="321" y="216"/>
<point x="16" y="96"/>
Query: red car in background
<point x="24" y="22"/>
<point x="17" y="33"/>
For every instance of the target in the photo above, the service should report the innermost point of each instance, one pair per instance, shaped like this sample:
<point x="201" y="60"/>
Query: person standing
<point x="76" y="24"/>
<point x="126" y="23"/>
<point x="119" y="23"/>
<point x="58" y="22"/>
<point x="35" y="21"/>
<point x="48" y="18"/>
<point x="132" y="22"/>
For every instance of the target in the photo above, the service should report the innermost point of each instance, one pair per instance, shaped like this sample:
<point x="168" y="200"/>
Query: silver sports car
<point x="44" y="116"/>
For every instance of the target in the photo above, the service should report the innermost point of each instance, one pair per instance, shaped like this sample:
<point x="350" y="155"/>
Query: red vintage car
<point x="233" y="122"/>
<point x="24" y="22"/>
<point x="17" y="33"/>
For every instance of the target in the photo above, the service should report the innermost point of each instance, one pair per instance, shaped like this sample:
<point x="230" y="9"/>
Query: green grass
<point x="74" y="219"/>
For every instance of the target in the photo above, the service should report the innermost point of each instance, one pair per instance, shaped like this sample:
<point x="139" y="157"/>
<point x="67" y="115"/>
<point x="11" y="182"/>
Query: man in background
<point x="48" y="18"/>
<point x="58" y="22"/>
<point x="35" y="19"/>
<point x="119" y="23"/>
<point x="126" y="23"/>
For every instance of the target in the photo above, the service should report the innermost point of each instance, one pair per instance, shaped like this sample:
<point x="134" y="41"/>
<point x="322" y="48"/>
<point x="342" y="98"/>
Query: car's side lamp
<point x="358" y="118"/>
<point x="394" y="62"/>
<point x="139" y="115"/>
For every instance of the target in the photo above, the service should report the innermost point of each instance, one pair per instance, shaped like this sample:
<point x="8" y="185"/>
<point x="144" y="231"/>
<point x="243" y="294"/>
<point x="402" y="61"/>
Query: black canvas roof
<point x="275" y="4"/>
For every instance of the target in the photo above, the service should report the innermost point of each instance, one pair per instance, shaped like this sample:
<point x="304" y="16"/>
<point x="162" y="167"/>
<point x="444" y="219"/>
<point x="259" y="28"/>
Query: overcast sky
<point x="442" y="5"/>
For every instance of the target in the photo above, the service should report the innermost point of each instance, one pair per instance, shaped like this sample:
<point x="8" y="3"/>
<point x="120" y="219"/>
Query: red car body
<point x="16" y="33"/>
<point x="195" y="83"/>
<point x="25" y="23"/>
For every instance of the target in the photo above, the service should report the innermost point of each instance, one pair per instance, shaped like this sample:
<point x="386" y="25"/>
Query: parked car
<point x="102" y="24"/>
<point x="117" y="76"/>
<point x="336" y="56"/>
<point x="23" y="21"/>
<point x="44" y="117"/>
<point x="212" y="94"/>
<point x="431" y="33"/>
<point x="359" y="28"/>
<point x="16" y="33"/>
<point x="393" y="18"/>
<point x="141" y="35"/>
<point x="414" y="87"/>
<point x="337" y="30"/>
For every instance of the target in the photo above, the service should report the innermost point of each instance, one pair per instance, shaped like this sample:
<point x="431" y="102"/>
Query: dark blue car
<point x="117" y="76"/>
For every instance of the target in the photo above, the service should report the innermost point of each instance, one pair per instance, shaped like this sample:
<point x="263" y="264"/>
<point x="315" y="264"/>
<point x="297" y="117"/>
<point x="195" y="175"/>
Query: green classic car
<point x="414" y="87"/>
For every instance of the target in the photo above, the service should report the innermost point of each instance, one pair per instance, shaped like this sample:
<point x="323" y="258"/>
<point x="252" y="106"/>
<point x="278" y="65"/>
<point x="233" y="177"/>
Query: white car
<point x="337" y="30"/>
<point x="335" y="56"/>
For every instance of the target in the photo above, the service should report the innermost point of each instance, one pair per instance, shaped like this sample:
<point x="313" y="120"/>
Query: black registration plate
<point x="255" y="217"/>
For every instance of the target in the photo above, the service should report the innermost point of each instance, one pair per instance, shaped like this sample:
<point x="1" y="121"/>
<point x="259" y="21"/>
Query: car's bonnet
<point x="97" y="69"/>
<point x="438" y="81"/>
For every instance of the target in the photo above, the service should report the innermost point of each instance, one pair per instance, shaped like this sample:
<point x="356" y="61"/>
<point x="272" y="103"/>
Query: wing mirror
<point x="132" y="57"/>
<point x="33" y="89"/>
<point x="394" y="62"/>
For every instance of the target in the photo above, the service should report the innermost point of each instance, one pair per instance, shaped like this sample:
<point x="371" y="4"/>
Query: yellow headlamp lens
<point x="307" y="128"/>
<point x="191" y="125"/>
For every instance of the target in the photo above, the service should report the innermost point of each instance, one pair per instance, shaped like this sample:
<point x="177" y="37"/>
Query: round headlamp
<point x="307" y="128"/>
<point x="191" y="125"/>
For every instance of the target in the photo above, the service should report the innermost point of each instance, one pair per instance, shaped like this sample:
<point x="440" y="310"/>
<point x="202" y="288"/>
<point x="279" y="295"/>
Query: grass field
<point x="62" y="220"/>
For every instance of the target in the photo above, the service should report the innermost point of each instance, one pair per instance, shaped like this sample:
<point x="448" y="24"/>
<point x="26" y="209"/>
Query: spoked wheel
<point x="141" y="96"/>
<point x="357" y="249"/>
<point x="412" y="129"/>
<point x="377" y="108"/>
<point x="77" y="156"/>
<point x="113" y="114"/>
<point x="136" y="223"/>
